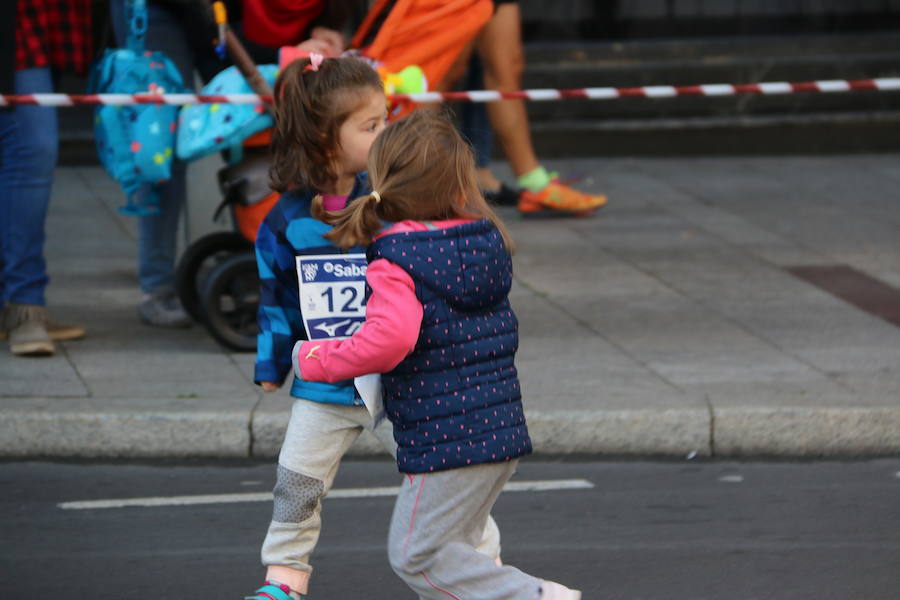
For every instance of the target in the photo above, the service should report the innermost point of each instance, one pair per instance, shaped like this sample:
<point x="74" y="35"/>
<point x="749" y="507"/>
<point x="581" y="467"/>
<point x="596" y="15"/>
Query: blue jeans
<point x="29" y="145"/>
<point x="474" y="124"/>
<point x="157" y="233"/>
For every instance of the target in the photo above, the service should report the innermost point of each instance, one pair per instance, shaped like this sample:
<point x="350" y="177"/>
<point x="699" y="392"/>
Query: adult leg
<point x="318" y="436"/>
<point x="499" y="45"/>
<point x="29" y="140"/>
<point x="475" y="126"/>
<point x="28" y="156"/>
<point x="157" y="233"/>
<point x="500" y="48"/>
<point x="437" y="520"/>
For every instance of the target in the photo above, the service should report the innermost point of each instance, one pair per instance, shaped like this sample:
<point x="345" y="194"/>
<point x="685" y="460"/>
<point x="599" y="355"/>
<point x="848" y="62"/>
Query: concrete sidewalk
<point x="667" y="325"/>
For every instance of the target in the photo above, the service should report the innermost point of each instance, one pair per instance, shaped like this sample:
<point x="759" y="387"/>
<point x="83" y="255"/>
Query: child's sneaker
<point x="550" y="590"/>
<point x="162" y="308"/>
<point x="274" y="591"/>
<point x="559" y="199"/>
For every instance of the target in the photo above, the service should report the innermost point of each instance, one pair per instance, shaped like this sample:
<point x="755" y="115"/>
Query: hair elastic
<point x="375" y="195"/>
<point x="315" y="59"/>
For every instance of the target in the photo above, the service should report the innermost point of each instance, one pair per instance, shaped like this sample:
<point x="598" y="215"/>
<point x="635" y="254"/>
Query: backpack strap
<point x="136" y="25"/>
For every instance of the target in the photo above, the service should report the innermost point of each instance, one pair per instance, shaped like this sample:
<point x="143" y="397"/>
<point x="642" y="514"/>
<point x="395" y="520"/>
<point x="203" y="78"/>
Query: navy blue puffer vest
<point x="455" y="400"/>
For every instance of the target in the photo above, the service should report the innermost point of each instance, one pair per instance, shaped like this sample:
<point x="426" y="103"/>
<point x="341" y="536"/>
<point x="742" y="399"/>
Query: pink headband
<point x="315" y="59"/>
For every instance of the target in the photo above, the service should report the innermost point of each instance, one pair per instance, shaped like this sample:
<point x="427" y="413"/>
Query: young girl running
<point x="327" y="114"/>
<point x="440" y="328"/>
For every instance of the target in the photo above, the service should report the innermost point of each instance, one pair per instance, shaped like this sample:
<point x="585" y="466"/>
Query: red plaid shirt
<point x="54" y="33"/>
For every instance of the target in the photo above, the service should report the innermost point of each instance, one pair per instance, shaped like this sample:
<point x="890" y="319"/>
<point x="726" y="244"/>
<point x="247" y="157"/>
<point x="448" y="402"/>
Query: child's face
<point x="358" y="132"/>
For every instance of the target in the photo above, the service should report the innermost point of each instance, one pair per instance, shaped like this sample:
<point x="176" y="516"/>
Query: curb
<point x="34" y="434"/>
<point x="807" y="432"/>
<point x="740" y="432"/>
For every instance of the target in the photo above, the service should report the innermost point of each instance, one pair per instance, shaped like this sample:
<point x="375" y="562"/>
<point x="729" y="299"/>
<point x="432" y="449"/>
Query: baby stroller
<point x="216" y="277"/>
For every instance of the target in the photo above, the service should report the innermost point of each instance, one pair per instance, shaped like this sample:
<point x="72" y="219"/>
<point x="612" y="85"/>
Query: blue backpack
<point x="207" y="128"/>
<point x="136" y="143"/>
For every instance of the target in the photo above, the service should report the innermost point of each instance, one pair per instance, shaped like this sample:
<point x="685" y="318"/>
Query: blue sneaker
<point x="271" y="591"/>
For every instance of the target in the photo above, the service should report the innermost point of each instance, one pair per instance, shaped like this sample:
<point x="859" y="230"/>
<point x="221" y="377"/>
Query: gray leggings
<point x="318" y="436"/>
<point x="438" y="520"/>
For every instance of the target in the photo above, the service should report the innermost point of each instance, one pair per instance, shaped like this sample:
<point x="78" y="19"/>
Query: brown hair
<point x="423" y="170"/>
<point x="310" y="107"/>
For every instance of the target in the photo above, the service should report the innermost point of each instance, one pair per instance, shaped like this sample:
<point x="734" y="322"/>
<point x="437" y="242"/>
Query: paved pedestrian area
<point x="672" y="323"/>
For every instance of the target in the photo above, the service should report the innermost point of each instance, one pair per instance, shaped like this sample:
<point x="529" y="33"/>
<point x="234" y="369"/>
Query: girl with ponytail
<point x="439" y="328"/>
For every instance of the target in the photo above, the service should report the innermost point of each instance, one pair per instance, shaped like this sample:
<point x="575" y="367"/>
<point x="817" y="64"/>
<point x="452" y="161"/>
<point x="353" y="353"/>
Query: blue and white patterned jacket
<point x="289" y="231"/>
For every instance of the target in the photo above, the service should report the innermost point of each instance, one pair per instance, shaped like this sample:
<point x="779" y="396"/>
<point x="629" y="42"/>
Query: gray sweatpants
<point x="438" y="520"/>
<point x="318" y="436"/>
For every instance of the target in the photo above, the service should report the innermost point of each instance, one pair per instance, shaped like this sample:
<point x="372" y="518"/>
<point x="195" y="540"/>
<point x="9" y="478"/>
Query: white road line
<point x="731" y="478"/>
<point x="372" y="492"/>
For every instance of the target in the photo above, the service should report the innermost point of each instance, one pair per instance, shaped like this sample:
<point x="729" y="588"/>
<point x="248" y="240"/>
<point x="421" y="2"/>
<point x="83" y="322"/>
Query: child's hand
<point x="268" y="386"/>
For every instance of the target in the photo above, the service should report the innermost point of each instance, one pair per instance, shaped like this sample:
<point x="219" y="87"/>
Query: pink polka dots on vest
<point x="455" y="400"/>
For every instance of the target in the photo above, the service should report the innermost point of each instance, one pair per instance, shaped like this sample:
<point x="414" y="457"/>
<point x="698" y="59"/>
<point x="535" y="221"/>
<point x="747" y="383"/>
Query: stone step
<point x="698" y="106"/>
<point x="810" y="133"/>
<point x="633" y="19"/>
<point x="719" y="48"/>
<point x="711" y="69"/>
<point x="692" y="62"/>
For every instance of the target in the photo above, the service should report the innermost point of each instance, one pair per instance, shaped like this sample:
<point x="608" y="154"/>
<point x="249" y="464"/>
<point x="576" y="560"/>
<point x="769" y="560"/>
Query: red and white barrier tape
<point x="595" y="93"/>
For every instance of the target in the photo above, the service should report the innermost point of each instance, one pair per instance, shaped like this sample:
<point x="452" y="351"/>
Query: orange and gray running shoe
<point x="559" y="199"/>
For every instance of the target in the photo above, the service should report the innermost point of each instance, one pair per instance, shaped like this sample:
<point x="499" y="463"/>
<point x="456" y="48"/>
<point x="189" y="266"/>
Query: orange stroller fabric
<point x="427" y="33"/>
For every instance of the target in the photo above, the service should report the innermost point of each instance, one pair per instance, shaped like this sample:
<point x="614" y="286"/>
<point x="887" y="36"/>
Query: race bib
<point x="332" y="294"/>
<point x="333" y="305"/>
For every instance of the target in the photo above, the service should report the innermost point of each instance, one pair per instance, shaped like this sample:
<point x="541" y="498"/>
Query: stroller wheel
<point x="230" y="300"/>
<point x="198" y="260"/>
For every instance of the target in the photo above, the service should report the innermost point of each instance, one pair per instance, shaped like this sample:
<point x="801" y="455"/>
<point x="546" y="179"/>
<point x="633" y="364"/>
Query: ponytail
<point x="354" y="225"/>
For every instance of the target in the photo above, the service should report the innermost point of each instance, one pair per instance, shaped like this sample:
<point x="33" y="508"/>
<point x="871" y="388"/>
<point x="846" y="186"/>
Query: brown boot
<point x="59" y="332"/>
<point x="26" y="326"/>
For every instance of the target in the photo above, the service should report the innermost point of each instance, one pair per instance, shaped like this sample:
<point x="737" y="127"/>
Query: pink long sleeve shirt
<point x="390" y="332"/>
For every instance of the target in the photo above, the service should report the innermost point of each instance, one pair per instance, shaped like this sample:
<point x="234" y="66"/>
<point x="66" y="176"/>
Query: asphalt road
<point x="691" y="530"/>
